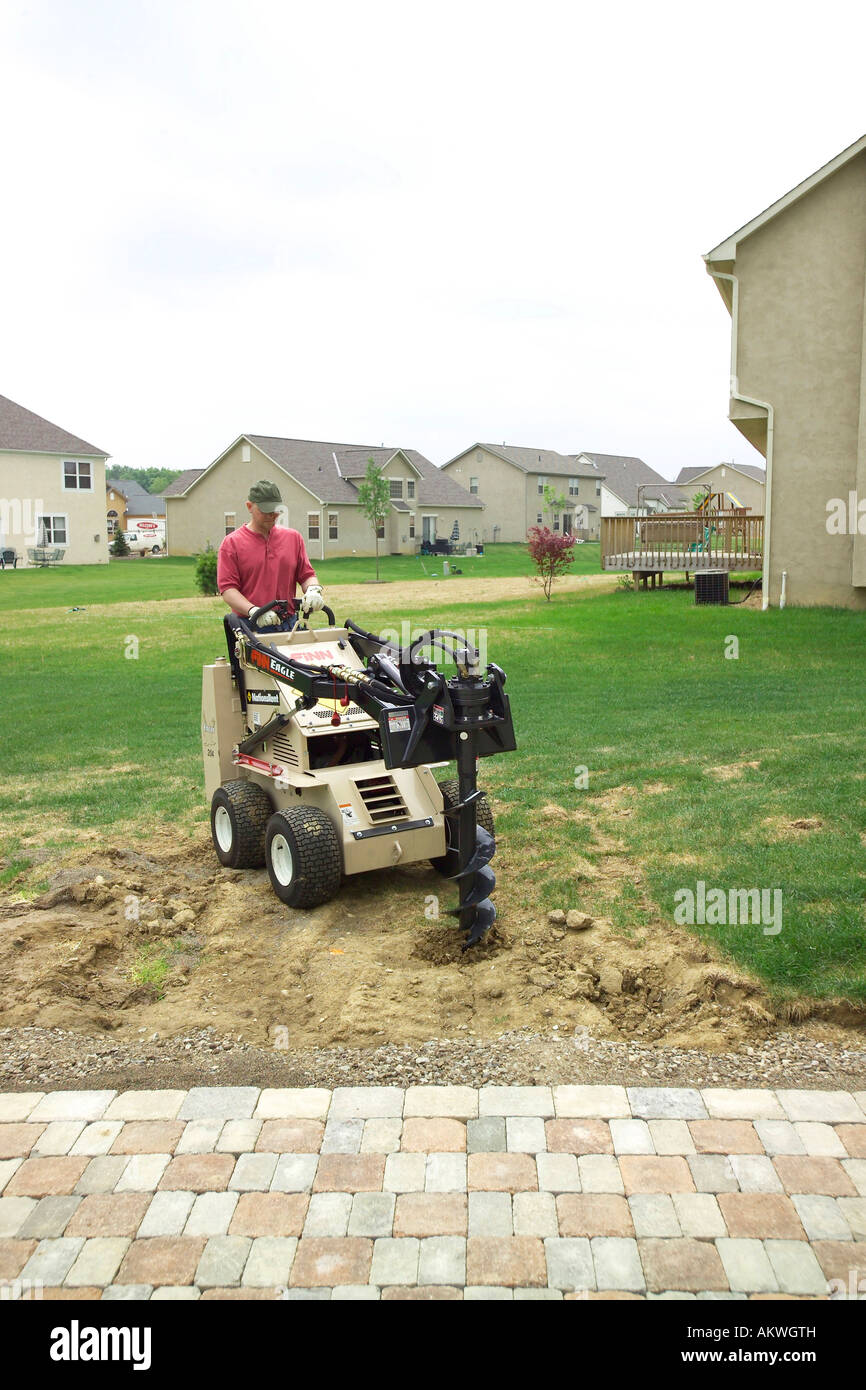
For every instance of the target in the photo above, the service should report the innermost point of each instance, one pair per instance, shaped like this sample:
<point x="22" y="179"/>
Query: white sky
<point x="397" y="223"/>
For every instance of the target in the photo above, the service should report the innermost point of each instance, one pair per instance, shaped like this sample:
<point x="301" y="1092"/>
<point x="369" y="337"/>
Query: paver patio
<point x="433" y="1192"/>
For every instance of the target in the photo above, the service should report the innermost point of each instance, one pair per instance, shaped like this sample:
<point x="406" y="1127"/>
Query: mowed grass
<point x="698" y="765"/>
<point x="169" y="577"/>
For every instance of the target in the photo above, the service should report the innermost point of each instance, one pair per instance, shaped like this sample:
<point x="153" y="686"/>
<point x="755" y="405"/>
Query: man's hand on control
<point x="312" y="601"/>
<point x="265" y="617"/>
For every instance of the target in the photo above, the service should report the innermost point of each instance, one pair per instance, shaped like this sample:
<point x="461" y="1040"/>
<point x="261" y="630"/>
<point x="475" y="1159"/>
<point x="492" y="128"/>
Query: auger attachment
<point x="475" y="848"/>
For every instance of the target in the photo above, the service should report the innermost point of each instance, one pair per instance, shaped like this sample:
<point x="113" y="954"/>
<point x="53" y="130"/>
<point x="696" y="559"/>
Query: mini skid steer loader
<point x="318" y="752"/>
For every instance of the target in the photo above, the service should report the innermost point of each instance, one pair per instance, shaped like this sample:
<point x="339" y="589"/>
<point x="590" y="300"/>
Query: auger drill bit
<point x="476" y="847"/>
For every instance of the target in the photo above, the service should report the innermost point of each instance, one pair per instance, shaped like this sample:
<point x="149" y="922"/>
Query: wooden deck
<point x="688" y="541"/>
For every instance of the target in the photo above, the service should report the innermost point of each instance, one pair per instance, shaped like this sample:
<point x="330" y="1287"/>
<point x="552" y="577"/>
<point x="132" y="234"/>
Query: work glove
<point x="312" y="600"/>
<point x="267" y="618"/>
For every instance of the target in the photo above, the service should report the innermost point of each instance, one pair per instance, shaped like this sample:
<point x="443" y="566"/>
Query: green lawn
<point x="636" y="687"/>
<point x="122" y="581"/>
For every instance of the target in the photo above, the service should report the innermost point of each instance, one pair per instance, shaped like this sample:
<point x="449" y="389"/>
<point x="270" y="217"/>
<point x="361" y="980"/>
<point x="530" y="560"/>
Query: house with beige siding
<point x="319" y="483"/>
<point x="793" y="280"/>
<point x="738" y="485"/>
<point x="511" y="479"/>
<point x="630" y="487"/>
<point x="52" y="490"/>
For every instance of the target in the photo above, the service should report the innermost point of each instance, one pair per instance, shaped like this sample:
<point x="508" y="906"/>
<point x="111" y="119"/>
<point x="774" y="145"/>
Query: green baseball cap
<point x="265" y="495"/>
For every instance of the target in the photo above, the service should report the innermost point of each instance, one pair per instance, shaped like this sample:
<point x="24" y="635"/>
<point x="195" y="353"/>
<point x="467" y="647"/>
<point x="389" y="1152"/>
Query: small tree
<point x="375" y="499"/>
<point x="206" y="571"/>
<point x="551" y="553"/>
<point x="119" y="545"/>
<point x="553" y="501"/>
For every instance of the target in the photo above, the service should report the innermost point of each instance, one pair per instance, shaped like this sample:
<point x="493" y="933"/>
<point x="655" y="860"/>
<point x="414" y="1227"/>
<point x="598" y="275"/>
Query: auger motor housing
<point x="319" y="747"/>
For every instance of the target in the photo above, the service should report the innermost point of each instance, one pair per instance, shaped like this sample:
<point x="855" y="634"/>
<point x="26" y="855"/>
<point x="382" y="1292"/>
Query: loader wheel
<point x="304" y="856"/>
<point x="239" y="814"/>
<point x="447" y="862"/>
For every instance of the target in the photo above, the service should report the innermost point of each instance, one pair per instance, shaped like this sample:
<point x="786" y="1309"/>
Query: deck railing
<point x="682" y="541"/>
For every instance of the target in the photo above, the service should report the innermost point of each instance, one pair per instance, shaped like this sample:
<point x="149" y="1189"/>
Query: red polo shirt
<point x="263" y="569"/>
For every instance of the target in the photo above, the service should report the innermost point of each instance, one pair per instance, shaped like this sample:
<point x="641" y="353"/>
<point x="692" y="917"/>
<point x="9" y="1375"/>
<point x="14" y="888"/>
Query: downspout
<point x="764" y="405"/>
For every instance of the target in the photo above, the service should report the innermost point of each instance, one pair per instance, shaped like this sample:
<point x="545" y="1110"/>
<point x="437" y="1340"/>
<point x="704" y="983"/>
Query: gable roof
<point x="23" y="432"/>
<point x="751" y="470"/>
<point x="138" y="499"/>
<point x="326" y="470"/>
<point x="624" y="474"/>
<point x="727" y="249"/>
<point x="533" y="460"/>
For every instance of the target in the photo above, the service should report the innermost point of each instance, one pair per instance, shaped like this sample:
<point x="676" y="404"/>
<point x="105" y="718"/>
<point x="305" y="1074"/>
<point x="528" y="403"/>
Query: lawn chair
<point x="8" y="558"/>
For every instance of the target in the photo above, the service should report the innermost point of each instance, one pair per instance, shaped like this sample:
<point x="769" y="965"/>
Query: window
<point x="411" y="526"/>
<point x="312" y="526"/>
<point x="395" y="487"/>
<point x="231" y="521"/>
<point x="598" y="487"/>
<point x="539" y="519"/>
<point x="51" y="530"/>
<point x="573" y="487"/>
<point x="77" y="476"/>
<point x="542" y="484"/>
<point x="410" y="488"/>
<point x="112" y="520"/>
<point x="567" y="523"/>
<point x="333" y="526"/>
<point x="473" y="486"/>
<point x="556" y="521"/>
<point x="380" y="531"/>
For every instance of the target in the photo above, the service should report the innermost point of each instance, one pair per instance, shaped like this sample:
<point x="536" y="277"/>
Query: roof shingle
<point x="23" y="431"/>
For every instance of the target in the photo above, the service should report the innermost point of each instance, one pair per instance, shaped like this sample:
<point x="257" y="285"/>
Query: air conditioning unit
<point x="711" y="586"/>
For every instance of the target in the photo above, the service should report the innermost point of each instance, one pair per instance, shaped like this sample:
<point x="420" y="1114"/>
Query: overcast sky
<point x="397" y="223"/>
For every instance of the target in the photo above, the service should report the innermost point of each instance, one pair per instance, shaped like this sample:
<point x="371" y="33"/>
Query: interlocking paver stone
<point x="833" y="1107"/>
<point x="148" y="1137"/>
<point x="538" y="1295"/>
<point x="373" y="1215"/>
<point x="365" y="1102"/>
<point x="430" y="1214"/>
<point x="16" y="1141"/>
<point x="16" y="1211"/>
<point x="328" y="1214"/>
<point x="126" y="1293"/>
<point x="598" y="1173"/>
<point x="486" y="1135"/>
<point x="395" y="1261"/>
<point x="254" y="1172"/>
<point x="712" y="1173"/>
<point x="795" y="1267"/>
<point x="293" y="1102"/>
<point x="442" y="1260"/>
<point x="58" y="1137"/>
<point x="699" y="1215"/>
<point x="52" y="1260"/>
<point x="15" y="1106"/>
<point x="73" y="1105"/>
<point x="458" y="1102"/>
<point x="725" y="1137"/>
<point x="815" y="1175"/>
<point x="594" y="1214"/>
<point x="8" y="1167"/>
<point x="96" y="1138"/>
<point x="439" y="1134"/>
<point x="343" y="1137"/>
<point x="600" y="1102"/>
<point x="161" y="1260"/>
<point x="525" y="1134"/>
<point x="755" y="1173"/>
<point x="724" y="1103"/>
<point x="270" y="1261"/>
<point x="855" y="1168"/>
<point x="382" y="1136"/>
<point x="47" y="1218"/>
<point x="350" y="1173"/>
<point x="569" y="1263"/>
<point x="445" y="1172"/>
<point x="516" y="1100"/>
<point x="505" y="1172"/>
<point x="320" y="1262"/>
<point x="684" y="1264"/>
<point x="222" y="1261"/>
<point x="102" y="1174"/>
<point x="238" y="1136"/>
<point x="146" y="1105"/>
<point x="580" y="1136"/>
<point x="490" y="1214"/>
<point x="142" y="1172"/>
<point x="654" y="1214"/>
<point x="666" y="1103"/>
<point x="271" y="1213"/>
<point x="534" y="1214"/>
<point x="219" y="1103"/>
<point x="631" y="1137"/>
<point x="405" y="1172"/>
<point x="854" y="1211"/>
<point x="821" y="1217"/>
<point x="109" y="1214"/>
<point x="759" y="1215"/>
<point x="211" y="1214"/>
<point x="167" y="1214"/>
<point x="642" y="1173"/>
<point x="475" y="1293"/>
<point x="98" y="1261"/>
<point x="835" y="1259"/>
<point x="14" y="1254"/>
<point x="779" y="1137"/>
<point x="355" y="1293"/>
<point x="45" y="1177"/>
<point x="746" y="1265"/>
<point x="197" y="1172"/>
<point x="853" y="1138"/>
<point x="671" y="1136"/>
<point x="502" y="1261"/>
<point x="820" y="1140"/>
<point x="199" y="1137"/>
<point x="290" y="1136"/>
<point x="617" y="1263"/>
<point x="294" y="1172"/>
<point x="558" y="1172"/>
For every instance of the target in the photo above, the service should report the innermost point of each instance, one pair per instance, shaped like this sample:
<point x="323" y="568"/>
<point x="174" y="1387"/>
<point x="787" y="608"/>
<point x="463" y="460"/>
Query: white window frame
<point x="314" y="524"/>
<point x="574" y="487"/>
<point x="410" y="489"/>
<point x="77" y="464"/>
<point x="333" y="526"/>
<point x="52" y="517"/>
<point x="556" y="521"/>
<point x="234" y="522"/>
<point x="411" y="526"/>
<point x="542" y="483"/>
<point x="395" y="489"/>
<point x="539" y="519"/>
<point x="473" y="484"/>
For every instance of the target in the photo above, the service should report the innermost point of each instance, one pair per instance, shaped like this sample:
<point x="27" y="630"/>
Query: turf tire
<point x="304" y="856"/>
<point x="239" y="814"/>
